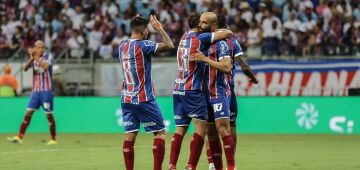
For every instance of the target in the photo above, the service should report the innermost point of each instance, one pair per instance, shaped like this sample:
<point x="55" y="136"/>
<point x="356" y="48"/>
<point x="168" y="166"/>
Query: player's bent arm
<point x="224" y="65"/>
<point x="245" y="68"/>
<point x="28" y="64"/>
<point x="44" y="65"/>
<point x="222" y="34"/>
<point x="166" y="45"/>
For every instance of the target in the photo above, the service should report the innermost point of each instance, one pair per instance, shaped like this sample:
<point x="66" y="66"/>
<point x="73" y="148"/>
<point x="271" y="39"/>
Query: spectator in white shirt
<point x="293" y="23"/>
<point x="95" y="37"/>
<point x="76" y="44"/>
<point x="67" y="10"/>
<point x="268" y="22"/>
<point x="78" y="18"/>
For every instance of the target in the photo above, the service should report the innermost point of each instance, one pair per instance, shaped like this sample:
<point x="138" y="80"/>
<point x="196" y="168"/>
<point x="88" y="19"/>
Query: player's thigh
<point x="34" y="101"/>
<point x="151" y="117"/>
<point x="180" y="117"/>
<point x="47" y="101"/>
<point x="195" y="105"/>
<point x="130" y="120"/>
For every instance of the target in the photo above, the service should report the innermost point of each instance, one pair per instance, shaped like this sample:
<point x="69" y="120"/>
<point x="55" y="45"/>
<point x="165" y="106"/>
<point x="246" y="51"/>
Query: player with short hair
<point x="189" y="99"/>
<point x="217" y="86"/>
<point x="42" y="91"/>
<point x="236" y="54"/>
<point x="138" y="100"/>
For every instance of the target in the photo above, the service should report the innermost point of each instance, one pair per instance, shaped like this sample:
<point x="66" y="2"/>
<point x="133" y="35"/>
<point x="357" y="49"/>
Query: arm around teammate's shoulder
<point x="222" y="34"/>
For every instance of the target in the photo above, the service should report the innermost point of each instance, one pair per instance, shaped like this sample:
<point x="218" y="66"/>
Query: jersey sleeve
<point x="50" y="59"/>
<point x="148" y="47"/>
<point x="237" y="48"/>
<point x="223" y="49"/>
<point x="206" y="38"/>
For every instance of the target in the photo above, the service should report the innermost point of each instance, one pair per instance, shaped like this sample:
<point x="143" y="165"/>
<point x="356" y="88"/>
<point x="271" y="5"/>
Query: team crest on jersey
<point x="223" y="47"/>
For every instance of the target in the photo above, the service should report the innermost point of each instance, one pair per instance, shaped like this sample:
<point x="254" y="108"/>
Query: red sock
<point x="128" y="152"/>
<point x="51" y="120"/>
<point x="159" y="153"/>
<point x="216" y="151"/>
<point x="23" y="126"/>
<point x="175" y="148"/>
<point x="209" y="156"/>
<point x="229" y="151"/>
<point x="196" y="146"/>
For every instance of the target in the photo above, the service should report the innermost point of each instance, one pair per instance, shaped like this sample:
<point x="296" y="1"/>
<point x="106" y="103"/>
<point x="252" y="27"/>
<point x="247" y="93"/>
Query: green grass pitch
<point x="254" y="152"/>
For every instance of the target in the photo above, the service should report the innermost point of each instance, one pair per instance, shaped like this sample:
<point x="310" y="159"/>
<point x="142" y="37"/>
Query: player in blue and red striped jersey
<point x="42" y="90"/>
<point x="217" y="86"/>
<point x="138" y="100"/>
<point x="189" y="98"/>
<point x="236" y="54"/>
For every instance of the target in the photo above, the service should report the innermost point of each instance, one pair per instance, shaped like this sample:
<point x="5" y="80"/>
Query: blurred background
<point x="305" y="53"/>
<point x="83" y="36"/>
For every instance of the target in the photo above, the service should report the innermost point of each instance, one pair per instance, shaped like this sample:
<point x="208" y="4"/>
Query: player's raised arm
<point x="222" y="34"/>
<point x="246" y="69"/>
<point x="224" y="65"/>
<point x="167" y="44"/>
<point x="30" y="61"/>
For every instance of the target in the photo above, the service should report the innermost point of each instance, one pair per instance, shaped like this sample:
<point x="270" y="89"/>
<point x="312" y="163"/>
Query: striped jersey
<point x="190" y="74"/>
<point x="216" y="83"/>
<point x="136" y="66"/>
<point x="42" y="79"/>
<point x="235" y="51"/>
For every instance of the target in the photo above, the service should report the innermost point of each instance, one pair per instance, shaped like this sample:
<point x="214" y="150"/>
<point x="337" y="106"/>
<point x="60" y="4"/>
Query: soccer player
<point x="138" y="100"/>
<point x="218" y="66"/>
<point x="189" y="98"/>
<point x="236" y="54"/>
<point x="42" y="91"/>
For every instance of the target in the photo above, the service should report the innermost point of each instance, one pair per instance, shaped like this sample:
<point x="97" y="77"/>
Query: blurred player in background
<point x="138" y="100"/>
<point x="236" y="54"/>
<point x="42" y="90"/>
<point x="189" y="98"/>
<point x="216" y="84"/>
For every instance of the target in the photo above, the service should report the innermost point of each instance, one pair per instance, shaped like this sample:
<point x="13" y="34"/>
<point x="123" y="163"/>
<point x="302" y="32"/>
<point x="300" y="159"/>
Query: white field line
<point x="71" y="149"/>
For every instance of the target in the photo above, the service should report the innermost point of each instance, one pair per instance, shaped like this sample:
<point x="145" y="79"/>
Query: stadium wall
<point x="273" y="115"/>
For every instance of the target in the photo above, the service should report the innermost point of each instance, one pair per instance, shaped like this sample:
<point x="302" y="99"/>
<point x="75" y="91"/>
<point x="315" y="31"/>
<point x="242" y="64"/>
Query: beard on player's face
<point x="203" y="30"/>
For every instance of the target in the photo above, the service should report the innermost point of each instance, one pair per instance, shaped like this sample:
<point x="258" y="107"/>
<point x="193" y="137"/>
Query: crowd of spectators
<point x="263" y="28"/>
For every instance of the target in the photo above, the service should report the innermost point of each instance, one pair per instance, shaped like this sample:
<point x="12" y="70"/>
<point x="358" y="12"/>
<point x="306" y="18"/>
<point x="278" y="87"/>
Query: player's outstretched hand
<point x="155" y="23"/>
<point x="199" y="56"/>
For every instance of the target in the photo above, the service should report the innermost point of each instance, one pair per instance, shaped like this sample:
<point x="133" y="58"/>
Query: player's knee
<point x="223" y="130"/>
<point x="130" y="136"/>
<point x="181" y="130"/>
<point x="160" y="134"/>
<point x="29" y="112"/>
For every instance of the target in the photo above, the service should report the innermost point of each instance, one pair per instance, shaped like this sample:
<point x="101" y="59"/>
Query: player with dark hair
<point x="138" y="100"/>
<point x="189" y="97"/>
<point x="236" y="54"/>
<point x="218" y="88"/>
<point x="42" y="91"/>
